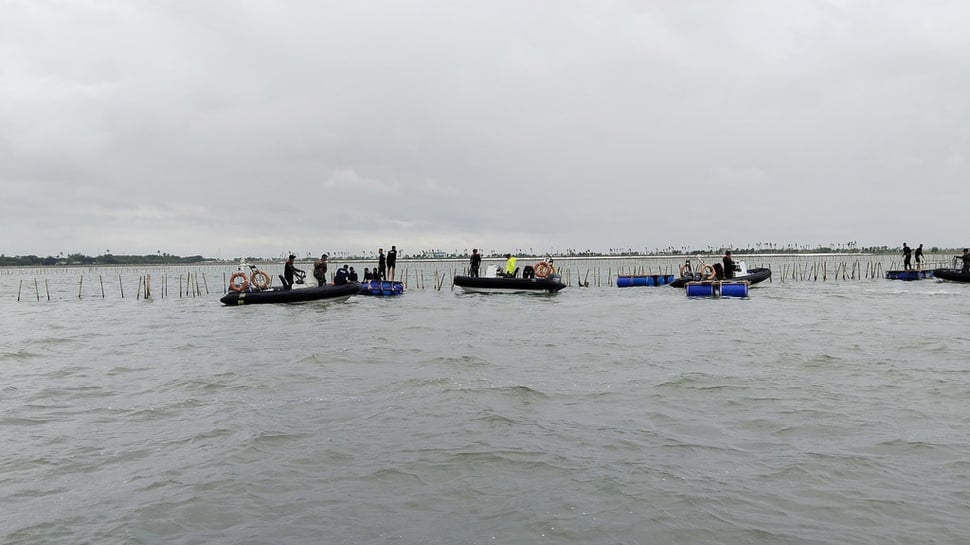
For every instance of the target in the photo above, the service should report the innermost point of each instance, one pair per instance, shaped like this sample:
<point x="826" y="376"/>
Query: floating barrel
<point x="908" y="275"/>
<point x="377" y="287"/>
<point x="700" y="289"/>
<point x="644" y="280"/>
<point x="734" y="289"/>
<point x="717" y="289"/>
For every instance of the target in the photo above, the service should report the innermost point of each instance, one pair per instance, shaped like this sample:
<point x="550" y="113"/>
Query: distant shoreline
<point x="127" y="261"/>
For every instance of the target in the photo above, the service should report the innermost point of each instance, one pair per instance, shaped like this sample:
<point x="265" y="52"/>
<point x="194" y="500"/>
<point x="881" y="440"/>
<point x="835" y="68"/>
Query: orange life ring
<point x="260" y="279"/>
<point x="708" y="272"/>
<point x="543" y="269"/>
<point x="683" y="269"/>
<point x="242" y="286"/>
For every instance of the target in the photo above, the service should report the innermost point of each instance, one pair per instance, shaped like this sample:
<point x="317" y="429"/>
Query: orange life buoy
<point x="238" y="286"/>
<point x="543" y="269"/>
<point x="708" y="272"/>
<point x="260" y="279"/>
<point x="683" y="270"/>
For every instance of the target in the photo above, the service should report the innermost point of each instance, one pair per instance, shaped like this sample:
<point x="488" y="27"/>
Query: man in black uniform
<point x="728" y="265"/>
<point x="391" y="263"/>
<point x="475" y="263"/>
<point x="289" y="270"/>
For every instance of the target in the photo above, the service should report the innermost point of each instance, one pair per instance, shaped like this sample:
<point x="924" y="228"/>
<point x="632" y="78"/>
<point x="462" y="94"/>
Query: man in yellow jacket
<point x="509" y="265"/>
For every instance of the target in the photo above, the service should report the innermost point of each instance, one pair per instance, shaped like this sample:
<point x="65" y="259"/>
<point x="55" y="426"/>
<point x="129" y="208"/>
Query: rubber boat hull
<point x="381" y="287"/>
<point x="481" y="284"/>
<point x="953" y="275"/>
<point x="295" y="295"/>
<point x="754" y="276"/>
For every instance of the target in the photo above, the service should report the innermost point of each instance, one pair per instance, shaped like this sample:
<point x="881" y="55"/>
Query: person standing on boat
<point x="728" y="265"/>
<point x="289" y="270"/>
<point x="391" y="262"/>
<point x="320" y="270"/>
<point x="918" y="254"/>
<point x="475" y="263"/>
<point x="381" y="265"/>
<point x="510" y="265"/>
<point x="907" y="256"/>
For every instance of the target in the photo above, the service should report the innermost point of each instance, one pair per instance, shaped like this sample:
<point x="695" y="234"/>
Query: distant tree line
<point x="160" y="258"/>
<point x="106" y="259"/>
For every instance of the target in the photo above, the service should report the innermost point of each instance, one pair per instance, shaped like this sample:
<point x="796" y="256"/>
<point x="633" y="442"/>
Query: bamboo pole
<point x="101" y="280"/>
<point x="19" y="289"/>
<point x="121" y="286"/>
<point x="36" y="289"/>
<point x="47" y="289"/>
<point x="79" y="284"/>
<point x="205" y="283"/>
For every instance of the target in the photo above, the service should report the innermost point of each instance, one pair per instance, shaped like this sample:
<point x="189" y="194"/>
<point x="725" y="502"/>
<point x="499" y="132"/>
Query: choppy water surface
<point x="810" y="413"/>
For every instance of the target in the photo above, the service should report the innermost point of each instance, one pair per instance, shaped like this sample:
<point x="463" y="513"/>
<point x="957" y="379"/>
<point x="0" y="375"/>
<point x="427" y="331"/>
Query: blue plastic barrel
<point x="734" y="290"/>
<point x="700" y="290"/>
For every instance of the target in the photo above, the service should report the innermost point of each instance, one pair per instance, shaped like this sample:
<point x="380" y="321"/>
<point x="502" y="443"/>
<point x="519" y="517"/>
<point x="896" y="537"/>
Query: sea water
<point x="808" y="413"/>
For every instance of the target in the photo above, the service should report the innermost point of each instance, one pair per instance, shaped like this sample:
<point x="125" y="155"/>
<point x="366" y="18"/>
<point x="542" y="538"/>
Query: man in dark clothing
<point x="475" y="263"/>
<point x="289" y="270"/>
<point x="381" y="265"/>
<point x="340" y="277"/>
<point x="391" y="263"/>
<point x="728" y="265"/>
<point x="966" y="259"/>
<point x="919" y="257"/>
<point x="907" y="255"/>
<point x="352" y="275"/>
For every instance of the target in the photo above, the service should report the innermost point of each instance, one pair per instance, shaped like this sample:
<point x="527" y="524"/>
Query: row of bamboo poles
<point x="188" y="285"/>
<point x="195" y="284"/>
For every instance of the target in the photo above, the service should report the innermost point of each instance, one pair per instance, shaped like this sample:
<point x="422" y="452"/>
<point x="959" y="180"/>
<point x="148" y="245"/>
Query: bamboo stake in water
<point x="47" y="289"/>
<point x="101" y="279"/>
<point x="79" y="284"/>
<point x="19" y="289"/>
<point x="205" y="283"/>
<point x="36" y="289"/>
<point x="121" y="286"/>
<point x="141" y="279"/>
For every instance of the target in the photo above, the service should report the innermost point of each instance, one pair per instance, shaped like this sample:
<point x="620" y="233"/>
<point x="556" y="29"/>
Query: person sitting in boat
<point x="686" y="271"/>
<point x="966" y="260"/>
<point x="341" y="276"/>
<point x="289" y="271"/>
<point x="510" y="265"/>
<point x="529" y="272"/>
<point x="728" y="265"/>
<point x="367" y="275"/>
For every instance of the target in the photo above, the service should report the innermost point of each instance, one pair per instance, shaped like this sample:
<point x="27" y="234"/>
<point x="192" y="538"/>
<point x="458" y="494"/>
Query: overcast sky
<point x="235" y="128"/>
